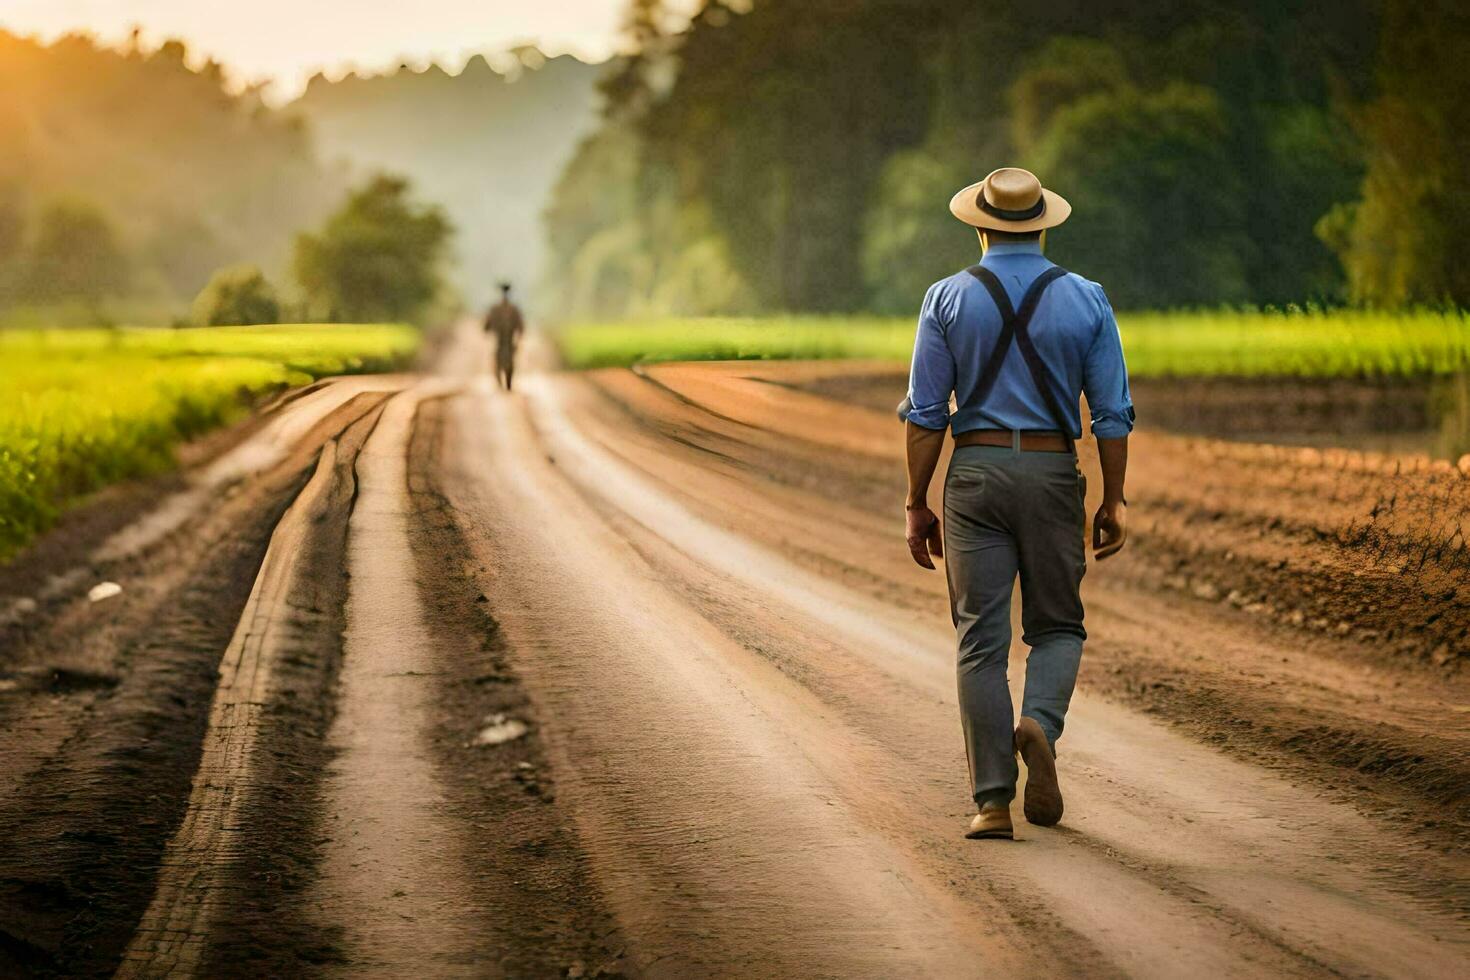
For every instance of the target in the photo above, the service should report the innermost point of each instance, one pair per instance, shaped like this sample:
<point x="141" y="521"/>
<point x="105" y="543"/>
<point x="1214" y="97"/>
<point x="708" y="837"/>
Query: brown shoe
<point x="1043" y="796"/>
<point x="992" y="822"/>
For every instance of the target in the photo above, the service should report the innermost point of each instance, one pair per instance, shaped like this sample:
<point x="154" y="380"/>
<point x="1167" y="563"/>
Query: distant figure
<point x="505" y="322"/>
<point x="1016" y="340"/>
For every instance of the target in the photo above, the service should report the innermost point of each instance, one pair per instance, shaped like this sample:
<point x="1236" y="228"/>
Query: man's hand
<point x="1109" y="529"/>
<point x="922" y="448"/>
<point x="924" y="536"/>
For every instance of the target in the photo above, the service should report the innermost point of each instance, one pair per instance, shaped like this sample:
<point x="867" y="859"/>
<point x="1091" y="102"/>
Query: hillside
<point x="191" y="176"/>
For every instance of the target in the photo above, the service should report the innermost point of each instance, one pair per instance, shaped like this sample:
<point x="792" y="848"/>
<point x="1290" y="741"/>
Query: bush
<point x="74" y="254"/>
<point x="1154" y="187"/>
<point x="238" y="295"/>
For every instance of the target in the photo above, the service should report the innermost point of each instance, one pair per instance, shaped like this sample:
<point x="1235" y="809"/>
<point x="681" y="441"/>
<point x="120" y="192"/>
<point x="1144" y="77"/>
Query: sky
<point x="286" y="41"/>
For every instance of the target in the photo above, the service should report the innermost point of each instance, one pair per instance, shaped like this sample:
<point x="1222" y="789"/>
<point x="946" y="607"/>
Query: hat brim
<point x="965" y="205"/>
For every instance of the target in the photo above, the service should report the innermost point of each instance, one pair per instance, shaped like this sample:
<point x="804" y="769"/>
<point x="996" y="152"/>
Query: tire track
<point x="97" y="781"/>
<point x="715" y="834"/>
<point x="392" y="875"/>
<point x="283" y="647"/>
<point x="532" y="884"/>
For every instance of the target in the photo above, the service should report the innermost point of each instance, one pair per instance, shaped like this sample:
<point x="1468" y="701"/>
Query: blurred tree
<point x="12" y="223"/>
<point x="238" y="295"/>
<point x="380" y="257"/>
<point x="1279" y="69"/>
<point x="74" y="254"/>
<point x="909" y="219"/>
<point x="1065" y="70"/>
<point x="1400" y="243"/>
<point x="12" y="237"/>
<point x="910" y="239"/>
<point x="1315" y="163"/>
<point x="1288" y="154"/>
<point x="594" y="229"/>
<point x="622" y="241"/>
<point x="816" y="143"/>
<point x="1158" y="204"/>
<point x="634" y="79"/>
<point x="780" y="121"/>
<point x="185" y="250"/>
<point x="196" y="175"/>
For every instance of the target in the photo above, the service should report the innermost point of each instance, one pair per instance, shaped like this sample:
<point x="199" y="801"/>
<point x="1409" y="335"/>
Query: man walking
<point x="505" y="322"/>
<point x="1016" y="340"/>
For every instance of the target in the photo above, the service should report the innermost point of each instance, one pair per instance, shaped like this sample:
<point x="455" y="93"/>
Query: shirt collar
<point x="1013" y="248"/>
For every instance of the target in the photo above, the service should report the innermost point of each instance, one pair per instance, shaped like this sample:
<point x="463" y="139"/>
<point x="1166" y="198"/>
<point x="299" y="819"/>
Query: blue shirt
<point x="1073" y="329"/>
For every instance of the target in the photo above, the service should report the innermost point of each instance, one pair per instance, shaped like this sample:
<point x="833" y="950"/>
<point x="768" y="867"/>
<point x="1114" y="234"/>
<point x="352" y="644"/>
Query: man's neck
<point x="1013" y="248"/>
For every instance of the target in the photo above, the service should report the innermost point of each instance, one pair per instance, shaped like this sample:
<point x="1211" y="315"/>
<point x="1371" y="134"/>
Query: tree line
<point x="145" y="169"/>
<point x="800" y="154"/>
<point x="132" y="175"/>
<point x="774" y="155"/>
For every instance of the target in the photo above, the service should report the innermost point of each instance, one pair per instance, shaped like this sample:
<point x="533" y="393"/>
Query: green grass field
<point x="85" y="408"/>
<point x="1297" y="344"/>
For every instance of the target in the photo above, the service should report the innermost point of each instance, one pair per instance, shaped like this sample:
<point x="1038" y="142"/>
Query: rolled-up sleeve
<point x="1105" y="376"/>
<point x="931" y="375"/>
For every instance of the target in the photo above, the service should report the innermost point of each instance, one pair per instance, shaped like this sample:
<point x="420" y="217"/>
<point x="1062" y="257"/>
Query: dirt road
<point x="628" y="674"/>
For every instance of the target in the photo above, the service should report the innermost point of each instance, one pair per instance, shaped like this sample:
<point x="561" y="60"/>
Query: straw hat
<point x="1010" y="199"/>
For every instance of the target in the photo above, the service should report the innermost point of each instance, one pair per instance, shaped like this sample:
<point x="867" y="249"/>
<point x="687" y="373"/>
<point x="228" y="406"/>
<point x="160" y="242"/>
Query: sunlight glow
<point x="285" y="42"/>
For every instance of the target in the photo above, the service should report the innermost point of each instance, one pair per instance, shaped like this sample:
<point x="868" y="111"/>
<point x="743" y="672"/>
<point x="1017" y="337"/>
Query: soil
<point x="271" y="931"/>
<point x="1345" y="543"/>
<point x="1360" y="712"/>
<point x="1321" y="411"/>
<point x="542" y="909"/>
<point x="1399" y="415"/>
<point x="726" y="593"/>
<point x="101" y="725"/>
<point x="629" y="674"/>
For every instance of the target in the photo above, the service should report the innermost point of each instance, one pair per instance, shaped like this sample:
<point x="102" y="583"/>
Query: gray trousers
<point x="1008" y="512"/>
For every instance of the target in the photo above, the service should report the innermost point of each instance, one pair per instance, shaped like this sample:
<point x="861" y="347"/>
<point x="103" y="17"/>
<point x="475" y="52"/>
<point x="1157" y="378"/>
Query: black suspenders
<point x="1013" y="324"/>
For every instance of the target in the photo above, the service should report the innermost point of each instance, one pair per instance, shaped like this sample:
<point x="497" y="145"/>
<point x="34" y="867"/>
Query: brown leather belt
<point x="1032" y="440"/>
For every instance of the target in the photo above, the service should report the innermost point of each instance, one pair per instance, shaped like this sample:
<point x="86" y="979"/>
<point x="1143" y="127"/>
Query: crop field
<point x="85" y="408"/>
<point x="1296" y="343"/>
